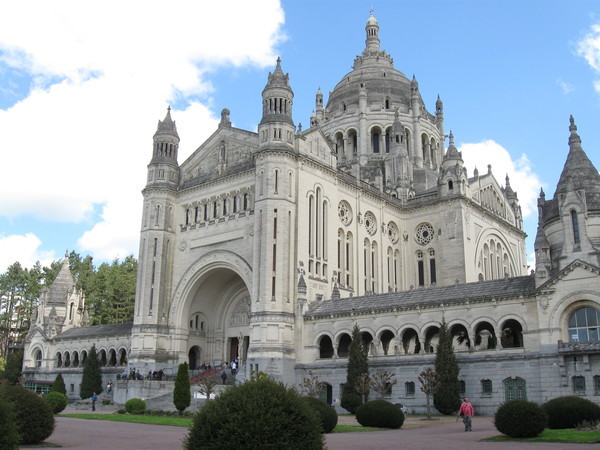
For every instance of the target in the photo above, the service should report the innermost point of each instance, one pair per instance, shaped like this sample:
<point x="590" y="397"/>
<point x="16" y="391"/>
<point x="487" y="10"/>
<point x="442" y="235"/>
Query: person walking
<point x="94" y="400"/>
<point x="466" y="411"/>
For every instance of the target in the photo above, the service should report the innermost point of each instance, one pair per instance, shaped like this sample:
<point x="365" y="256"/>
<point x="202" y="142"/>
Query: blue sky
<point x="82" y="89"/>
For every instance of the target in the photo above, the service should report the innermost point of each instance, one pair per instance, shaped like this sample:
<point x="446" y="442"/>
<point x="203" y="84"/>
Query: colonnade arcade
<point x="411" y="340"/>
<point x="380" y="142"/>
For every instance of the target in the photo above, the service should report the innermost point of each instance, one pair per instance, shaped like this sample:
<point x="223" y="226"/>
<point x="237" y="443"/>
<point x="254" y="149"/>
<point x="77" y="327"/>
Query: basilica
<point x="270" y="245"/>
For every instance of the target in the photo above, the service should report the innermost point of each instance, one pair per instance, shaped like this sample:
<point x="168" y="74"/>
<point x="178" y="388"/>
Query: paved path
<point x="93" y="434"/>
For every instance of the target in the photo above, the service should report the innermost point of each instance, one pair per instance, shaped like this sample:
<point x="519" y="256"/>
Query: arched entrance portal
<point x="217" y="317"/>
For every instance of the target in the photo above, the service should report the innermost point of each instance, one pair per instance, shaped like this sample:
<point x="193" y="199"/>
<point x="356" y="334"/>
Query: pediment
<point x="36" y="331"/>
<point x="577" y="271"/>
<point x="227" y="148"/>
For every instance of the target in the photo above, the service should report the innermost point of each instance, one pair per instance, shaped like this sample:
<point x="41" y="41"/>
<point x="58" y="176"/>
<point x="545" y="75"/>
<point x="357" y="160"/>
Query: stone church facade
<point x="270" y="245"/>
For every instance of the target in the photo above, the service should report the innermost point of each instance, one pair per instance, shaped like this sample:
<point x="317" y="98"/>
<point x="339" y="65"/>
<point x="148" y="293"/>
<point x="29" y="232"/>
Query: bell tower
<point x="150" y="332"/>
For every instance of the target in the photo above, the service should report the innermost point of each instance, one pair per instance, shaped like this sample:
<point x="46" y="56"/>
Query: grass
<point x="131" y="418"/>
<point x="567" y="435"/>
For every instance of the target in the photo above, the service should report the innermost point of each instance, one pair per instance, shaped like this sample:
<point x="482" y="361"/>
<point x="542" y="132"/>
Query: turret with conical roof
<point x="163" y="170"/>
<point x="571" y="219"/>
<point x="277" y="129"/>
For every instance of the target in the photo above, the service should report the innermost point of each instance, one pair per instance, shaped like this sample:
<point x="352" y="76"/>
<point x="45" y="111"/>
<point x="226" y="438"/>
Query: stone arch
<point x="432" y="337"/>
<point x="112" y="357"/>
<point x="484" y="331"/>
<point x="459" y="331"/>
<point x="37" y="356"/>
<point x="343" y="339"/>
<point x="559" y="317"/>
<point x="67" y="359"/>
<point x="194" y="357"/>
<point x="385" y="340"/>
<point x="512" y="333"/>
<point x="325" y="345"/>
<point x="411" y="342"/>
<point x="123" y="356"/>
<point x="102" y="357"/>
<point x="75" y="358"/>
<point x="488" y="241"/>
<point x="219" y="259"/>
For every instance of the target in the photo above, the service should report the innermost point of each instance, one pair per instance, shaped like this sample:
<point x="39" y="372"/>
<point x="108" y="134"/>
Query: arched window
<point x="325" y="347"/>
<point x="583" y="325"/>
<point x="515" y="389"/>
<point x="38" y="358"/>
<point x="575" y="225"/>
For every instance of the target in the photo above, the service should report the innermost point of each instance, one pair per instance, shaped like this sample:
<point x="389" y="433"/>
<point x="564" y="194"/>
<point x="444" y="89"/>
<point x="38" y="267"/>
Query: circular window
<point x="370" y="223"/>
<point x="392" y="232"/>
<point x="424" y="233"/>
<point x="345" y="212"/>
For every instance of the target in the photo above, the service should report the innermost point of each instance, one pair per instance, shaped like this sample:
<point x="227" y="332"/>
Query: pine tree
<point x="91" y="380"/>
<point x="358" y="367"/>
<point x="446" y="398"/>
<point x="12" y="368"/>
<point x="59" y="385"/>
<point x="181" y="393"/>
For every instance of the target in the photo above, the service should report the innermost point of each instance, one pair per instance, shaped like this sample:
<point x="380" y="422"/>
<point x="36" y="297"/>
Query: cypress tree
<point x="446" y="398"/>
<point x="59" y="385"/>
<point x="91" y="381"/>
<point x="181" y="393"/>
<point x="358" y="364"/>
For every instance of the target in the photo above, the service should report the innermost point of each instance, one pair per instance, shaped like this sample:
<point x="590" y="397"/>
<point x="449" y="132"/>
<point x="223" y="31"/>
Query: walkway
<point x="444" y="434"/>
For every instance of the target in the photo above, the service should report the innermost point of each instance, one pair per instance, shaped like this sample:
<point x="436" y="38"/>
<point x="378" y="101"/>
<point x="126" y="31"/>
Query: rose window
<point x="370" y="223"/>
<point x="424" y="233"/>
<point x="345" y="212"/>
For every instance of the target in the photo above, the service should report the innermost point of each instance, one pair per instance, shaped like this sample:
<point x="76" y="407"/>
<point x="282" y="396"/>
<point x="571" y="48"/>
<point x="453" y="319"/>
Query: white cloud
<point x="589" y="48"/>
<point x="103" y="74"/>
<point x="566" y="88"/>
<point x="23" y="248"/>
<point x="522" y="178"/>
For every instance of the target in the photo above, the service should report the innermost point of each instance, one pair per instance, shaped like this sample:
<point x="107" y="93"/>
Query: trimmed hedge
<point x="570" y="411"/>
<point x="261" y="414"/>
<point x="520" y="419"/>
<point x="33" y="416"/>
<point x="135" y="405"/>
<point x="379" y="413"/>
<point x="327" y="413"/>
<point x="56" y="400"/>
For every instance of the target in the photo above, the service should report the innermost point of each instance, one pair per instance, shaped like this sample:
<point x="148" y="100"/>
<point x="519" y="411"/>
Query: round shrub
<point x="329" y="417"/>
<point x="135" y="405"/>
<point x="520" y="419"/>
<point x="33" y="415"/>
<point x="57" y="401"/>
<point x="568" y="412"/>
<point x="259" y="414"/>
<point x="379" y="413"/>
<point x="9" y="437"/>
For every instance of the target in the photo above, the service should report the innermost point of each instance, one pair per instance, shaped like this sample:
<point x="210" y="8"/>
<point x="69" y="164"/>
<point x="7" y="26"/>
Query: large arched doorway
<point x="216" y="314"/>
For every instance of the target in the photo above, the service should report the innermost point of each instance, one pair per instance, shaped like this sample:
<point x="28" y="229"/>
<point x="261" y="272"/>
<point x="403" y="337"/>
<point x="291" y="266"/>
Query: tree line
<point x="109" y="291"/>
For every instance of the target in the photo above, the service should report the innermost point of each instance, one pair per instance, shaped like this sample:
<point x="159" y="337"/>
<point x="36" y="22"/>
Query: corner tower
<point x="272" y="315"/>
<point x="150" y="332"/>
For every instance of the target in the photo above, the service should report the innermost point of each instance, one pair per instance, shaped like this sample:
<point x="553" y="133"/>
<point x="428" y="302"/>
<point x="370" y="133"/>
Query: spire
<point x="452" y="152"/>
<point x="62" y="285"/>
<point x="167" y="126"/>
<point x="277" y="97"/>
<point x="508" y="191"/>
<point x="578" y="172"/>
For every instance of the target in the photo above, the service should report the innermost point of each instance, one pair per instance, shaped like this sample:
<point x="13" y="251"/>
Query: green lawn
<point x="153" y="420"/>
<point x="567" y="435"/>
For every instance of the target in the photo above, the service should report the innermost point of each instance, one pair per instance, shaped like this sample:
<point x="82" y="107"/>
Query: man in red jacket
<point x="466" y="411"/>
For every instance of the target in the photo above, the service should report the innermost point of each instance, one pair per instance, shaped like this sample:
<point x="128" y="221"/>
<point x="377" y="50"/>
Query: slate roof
<point x="423" y="297"/>
<point x="96" y="331"/>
